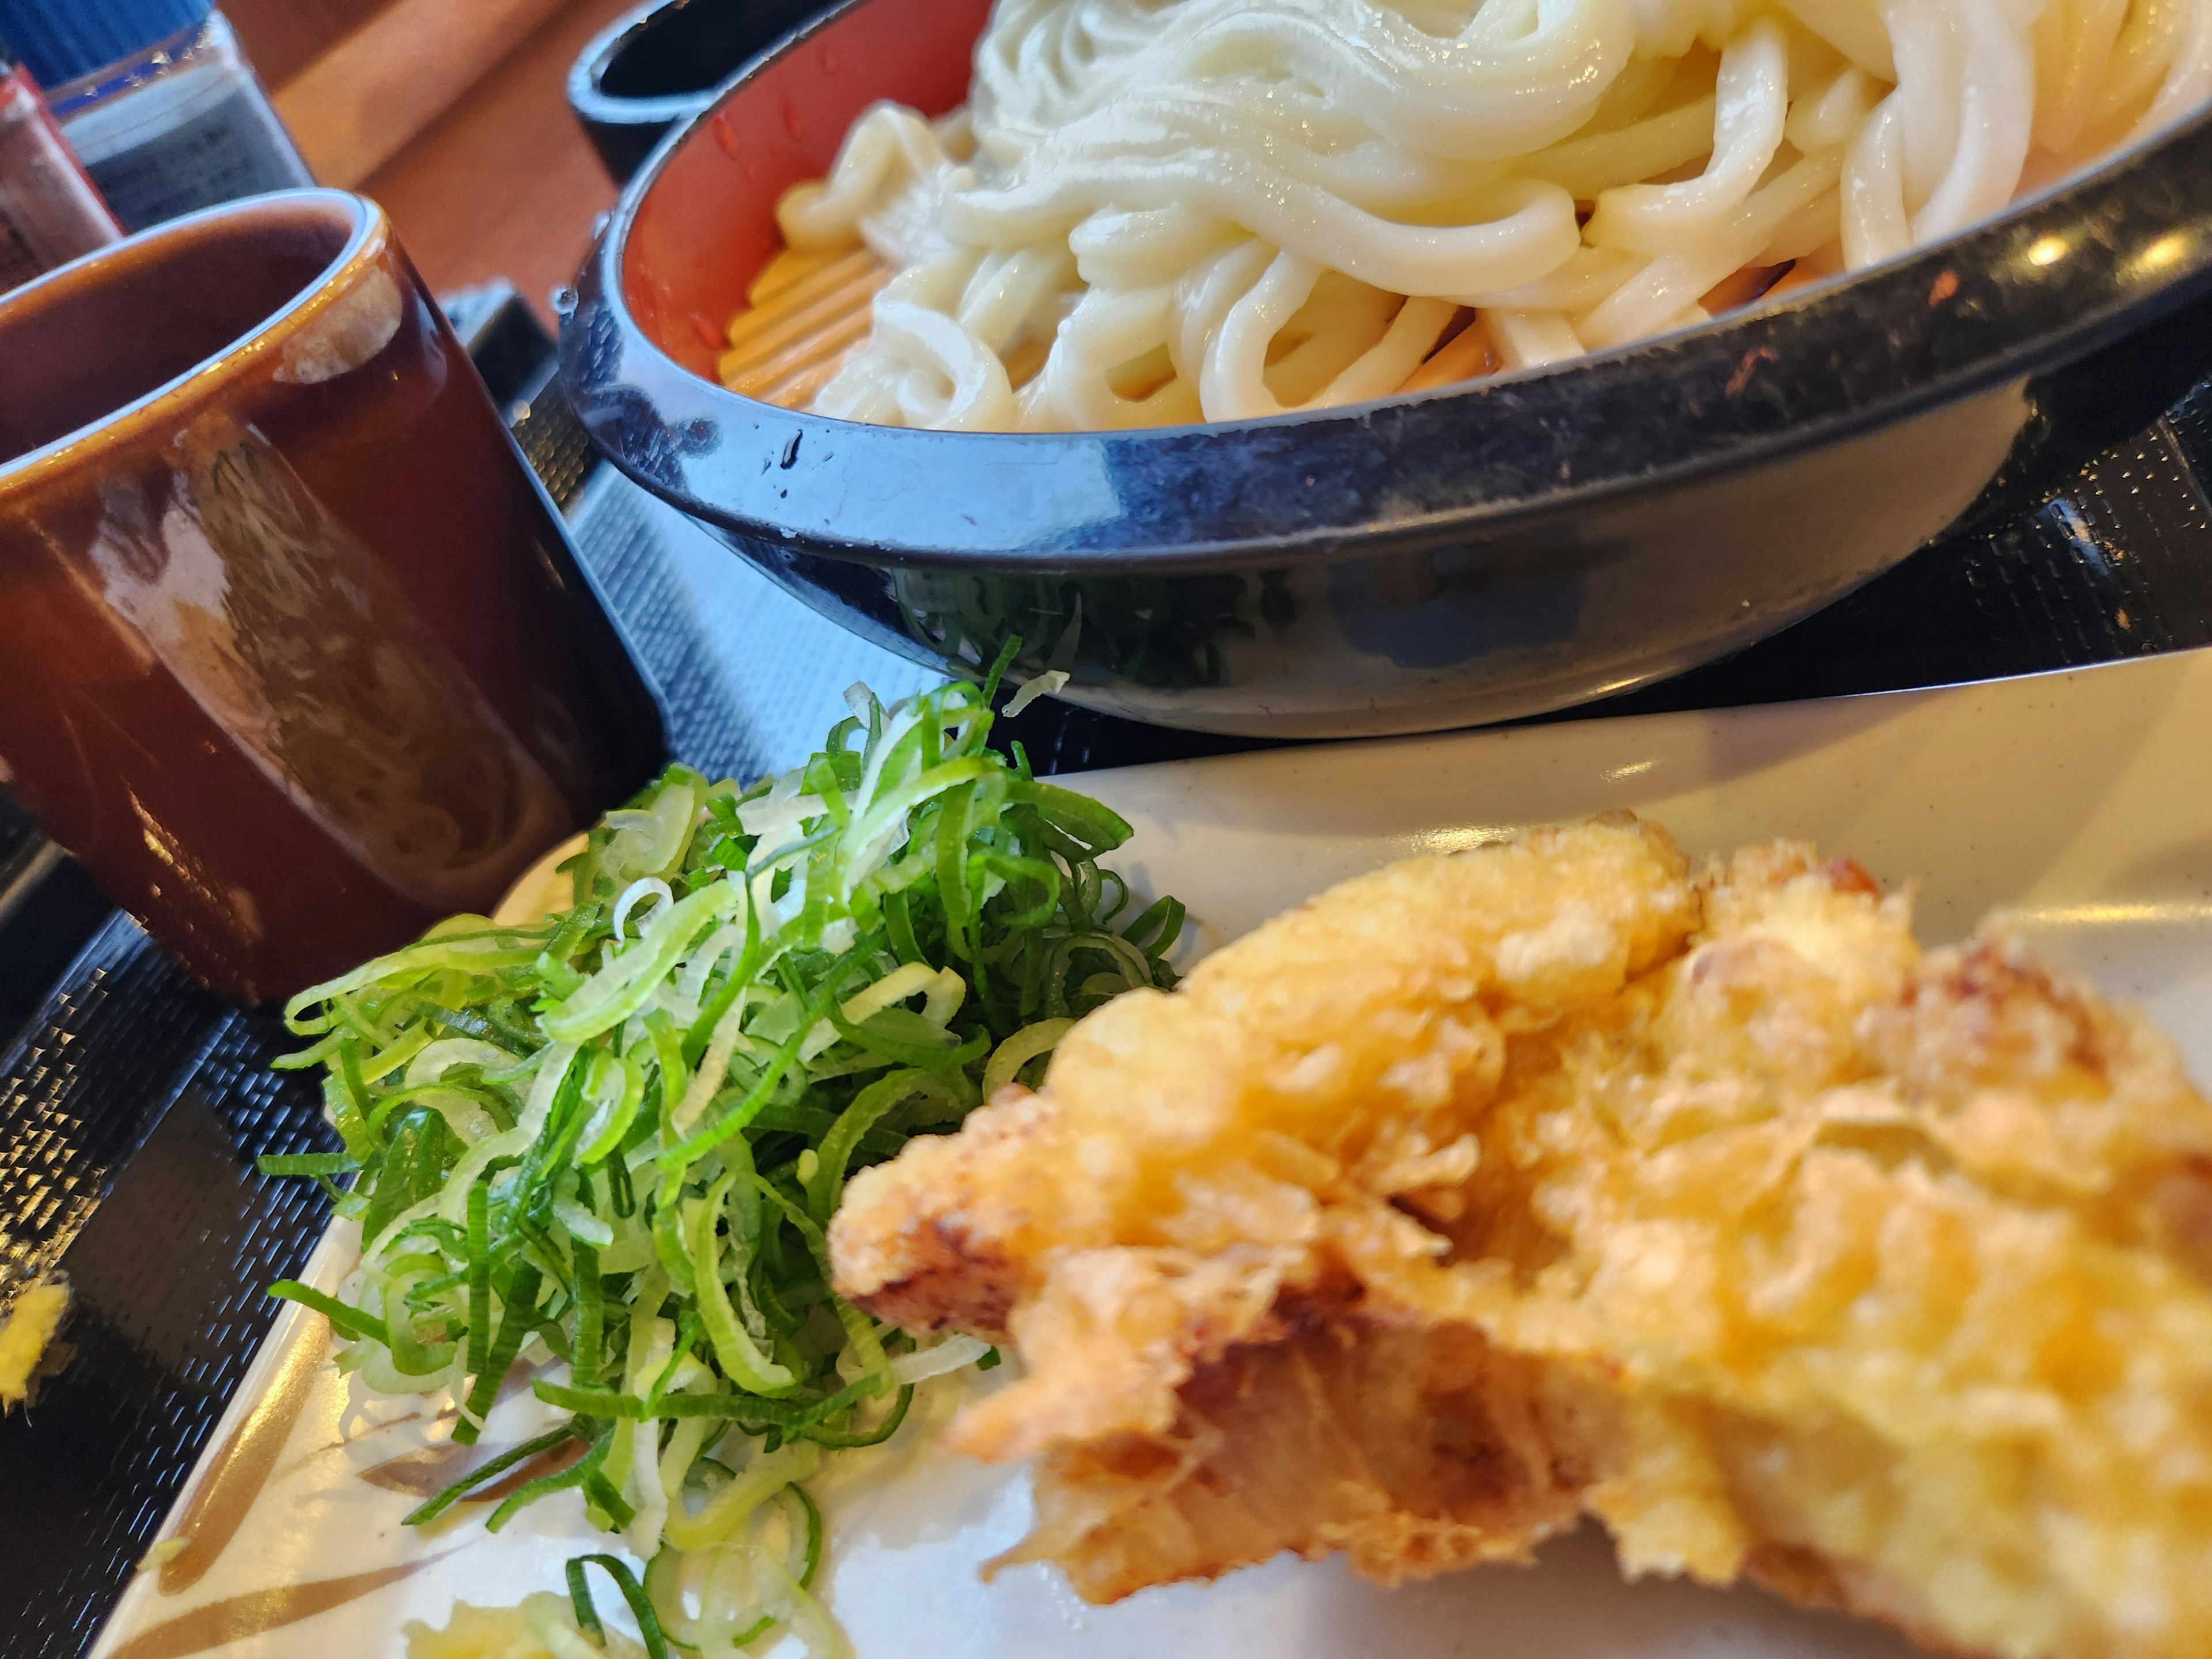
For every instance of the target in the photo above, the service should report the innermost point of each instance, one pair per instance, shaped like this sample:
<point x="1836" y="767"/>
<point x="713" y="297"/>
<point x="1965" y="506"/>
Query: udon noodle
<point x="1160" y="211"/>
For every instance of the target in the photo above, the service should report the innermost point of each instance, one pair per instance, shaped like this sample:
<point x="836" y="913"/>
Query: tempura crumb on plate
<point x="542" y="1627"/>
<point x="25" y="1338"/>
<point x="1489" y="1191"/>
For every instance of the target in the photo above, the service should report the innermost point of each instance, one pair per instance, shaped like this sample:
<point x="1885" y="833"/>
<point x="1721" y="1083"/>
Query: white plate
<point x="2081" y="802"/>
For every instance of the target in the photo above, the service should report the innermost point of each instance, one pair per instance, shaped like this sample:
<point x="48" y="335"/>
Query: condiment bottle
<point x="50" y="212"/>
<point x="158" y="101"/>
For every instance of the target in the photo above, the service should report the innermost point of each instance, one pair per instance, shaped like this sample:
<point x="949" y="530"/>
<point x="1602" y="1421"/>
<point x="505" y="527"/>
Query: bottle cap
<point x="62" y="40"/>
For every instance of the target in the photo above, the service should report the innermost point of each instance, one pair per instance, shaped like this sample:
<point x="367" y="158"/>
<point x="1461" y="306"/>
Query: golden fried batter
<point x="1489" y="1191"/>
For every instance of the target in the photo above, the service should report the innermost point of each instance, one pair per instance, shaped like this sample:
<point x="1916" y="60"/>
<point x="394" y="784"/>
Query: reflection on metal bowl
<point x="1491" y="549"/>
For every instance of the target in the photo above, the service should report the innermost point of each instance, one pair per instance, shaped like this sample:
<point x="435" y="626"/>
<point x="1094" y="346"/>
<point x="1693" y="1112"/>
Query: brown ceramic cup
<point x="294" y="654"/>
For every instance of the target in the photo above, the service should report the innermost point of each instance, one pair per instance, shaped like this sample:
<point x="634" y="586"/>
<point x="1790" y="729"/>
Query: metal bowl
<point x="1476" y="553"/>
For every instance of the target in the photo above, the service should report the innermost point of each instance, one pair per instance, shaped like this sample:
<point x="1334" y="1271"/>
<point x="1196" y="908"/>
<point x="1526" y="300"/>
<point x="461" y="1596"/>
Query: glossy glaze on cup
<point x="298" y="660"/>
<point x="1485" y="551"/>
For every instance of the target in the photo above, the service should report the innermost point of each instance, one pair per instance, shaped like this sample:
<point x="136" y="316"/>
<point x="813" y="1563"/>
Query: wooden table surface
<point x="505" y="184"/>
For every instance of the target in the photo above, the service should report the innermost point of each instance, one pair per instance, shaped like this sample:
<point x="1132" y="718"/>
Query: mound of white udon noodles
<point x="1222" y="209"/>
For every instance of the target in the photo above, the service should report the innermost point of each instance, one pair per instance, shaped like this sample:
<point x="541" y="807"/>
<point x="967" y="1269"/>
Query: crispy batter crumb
<point x="541" y="1627"/>
<point x="25" y="1335"/>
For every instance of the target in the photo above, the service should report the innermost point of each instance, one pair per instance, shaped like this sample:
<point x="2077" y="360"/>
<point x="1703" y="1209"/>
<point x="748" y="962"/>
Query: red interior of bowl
<point x="707" y="224"/>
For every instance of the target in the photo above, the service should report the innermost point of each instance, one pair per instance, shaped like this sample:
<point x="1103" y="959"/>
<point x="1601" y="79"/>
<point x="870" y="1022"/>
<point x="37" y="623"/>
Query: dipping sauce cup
<point x="295" y="655"/>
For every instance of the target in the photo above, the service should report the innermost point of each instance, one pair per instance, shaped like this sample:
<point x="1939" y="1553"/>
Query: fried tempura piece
<point x="1488" y="1191"/>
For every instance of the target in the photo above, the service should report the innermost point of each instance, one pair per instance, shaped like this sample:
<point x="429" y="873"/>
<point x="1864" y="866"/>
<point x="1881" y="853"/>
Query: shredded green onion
<point x="616" y="1137"/>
